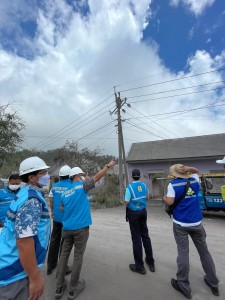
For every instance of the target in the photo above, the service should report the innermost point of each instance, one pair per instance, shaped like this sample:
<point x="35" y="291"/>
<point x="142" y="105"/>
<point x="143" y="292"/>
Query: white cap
<point x="75" y="171"/>
<point x="64" y="171"/>
<point x="221" y="161"/>
<point x="32" y="164"/>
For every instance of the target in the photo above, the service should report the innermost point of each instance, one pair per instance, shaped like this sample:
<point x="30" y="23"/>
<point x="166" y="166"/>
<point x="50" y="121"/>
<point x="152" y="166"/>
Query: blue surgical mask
<point x="44" y="180"/>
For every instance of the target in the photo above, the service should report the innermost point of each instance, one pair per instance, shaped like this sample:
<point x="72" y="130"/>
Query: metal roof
<point x="189" y="147"/>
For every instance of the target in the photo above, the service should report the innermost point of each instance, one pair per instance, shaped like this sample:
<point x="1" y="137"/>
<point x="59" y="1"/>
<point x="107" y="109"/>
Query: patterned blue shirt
<point x="28" y="218"/>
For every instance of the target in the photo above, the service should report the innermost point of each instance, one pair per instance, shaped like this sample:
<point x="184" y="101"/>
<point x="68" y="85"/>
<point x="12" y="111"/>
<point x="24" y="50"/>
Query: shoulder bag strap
<point x="183" y="195"/>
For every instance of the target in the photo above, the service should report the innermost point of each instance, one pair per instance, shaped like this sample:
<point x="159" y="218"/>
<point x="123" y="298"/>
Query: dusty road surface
<point x="109" y="253"/>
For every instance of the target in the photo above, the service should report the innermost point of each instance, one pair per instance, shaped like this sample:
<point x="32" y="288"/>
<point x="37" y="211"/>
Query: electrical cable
<point x="78" y="118"/>
<point x="172" y="80"/>
<point x="185" y="94"/>
<point x="173" y="90"/>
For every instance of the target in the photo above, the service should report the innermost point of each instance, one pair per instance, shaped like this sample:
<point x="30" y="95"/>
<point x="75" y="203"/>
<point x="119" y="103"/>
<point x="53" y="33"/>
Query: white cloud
<point x="197" y="7"/>
<point x="80" y="64"/>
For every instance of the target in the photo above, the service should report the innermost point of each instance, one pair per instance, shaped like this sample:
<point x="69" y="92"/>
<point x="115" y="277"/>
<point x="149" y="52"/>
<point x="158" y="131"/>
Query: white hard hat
<point x="221" y="161"/>
<point x="75" y="171"/>
<point x="64" y="171"/>
<point x="32" y="164"/>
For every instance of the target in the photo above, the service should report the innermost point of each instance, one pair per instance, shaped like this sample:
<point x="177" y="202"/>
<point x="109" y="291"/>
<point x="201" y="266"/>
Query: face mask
<point x="44" y="180"/>
<point x="14" y="187"/>
<point x="82" y="178"/>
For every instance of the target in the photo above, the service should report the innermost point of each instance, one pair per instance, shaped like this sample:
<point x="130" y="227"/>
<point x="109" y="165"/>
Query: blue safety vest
<point x="139" y="192"/>
<point x="76" y="205"/>
<point x="57" y="190"/>
<point x="11" y="269"/>
<point x="188" y="210"/>
<point x="6" y="197"/>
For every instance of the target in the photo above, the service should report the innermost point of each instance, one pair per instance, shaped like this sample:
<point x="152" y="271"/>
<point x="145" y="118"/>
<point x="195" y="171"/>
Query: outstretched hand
<point x="111" y="163"/>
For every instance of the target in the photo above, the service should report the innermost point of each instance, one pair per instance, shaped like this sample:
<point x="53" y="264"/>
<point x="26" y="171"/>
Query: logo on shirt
<point x="190" y="192"/>
<point x="140" y="188"/>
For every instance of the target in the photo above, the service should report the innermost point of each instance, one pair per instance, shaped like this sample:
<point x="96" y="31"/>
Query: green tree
<point x="11" y="126"/>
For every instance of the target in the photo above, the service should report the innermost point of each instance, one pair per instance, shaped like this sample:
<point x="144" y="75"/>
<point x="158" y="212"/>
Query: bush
<point x="109" y="194"/>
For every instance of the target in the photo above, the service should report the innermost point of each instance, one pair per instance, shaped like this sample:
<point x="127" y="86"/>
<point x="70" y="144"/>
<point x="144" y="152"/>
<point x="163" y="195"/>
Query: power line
<point x="172" y="96"/>
<point x="79" y="139"/>
<point x="172" y="80"/>
<point x="181" y="111"/>
<point x="173" y="90"/>
<point x="136" y="126"/>
<point x="68" y="131"/>
<point x="147" y="125"/>
<point x="77" y="119"/>
<point x="155" y="122"/>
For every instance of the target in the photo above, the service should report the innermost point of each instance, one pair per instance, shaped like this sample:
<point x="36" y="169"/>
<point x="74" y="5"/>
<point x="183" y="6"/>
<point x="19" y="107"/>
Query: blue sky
<point x="62" y="60"/>
<point x="180" y="32"/>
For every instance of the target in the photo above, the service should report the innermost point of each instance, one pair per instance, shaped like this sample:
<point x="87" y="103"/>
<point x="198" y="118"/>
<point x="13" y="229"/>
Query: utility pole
<point x="122" y="159"/>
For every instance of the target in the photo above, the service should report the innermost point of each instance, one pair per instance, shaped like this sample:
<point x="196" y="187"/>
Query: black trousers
<point x="139" y="234"/>
<point x="55" y="245"/>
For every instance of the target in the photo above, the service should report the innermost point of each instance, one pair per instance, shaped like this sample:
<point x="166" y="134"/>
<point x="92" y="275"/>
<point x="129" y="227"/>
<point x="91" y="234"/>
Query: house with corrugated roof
<point x="154" y="158"/>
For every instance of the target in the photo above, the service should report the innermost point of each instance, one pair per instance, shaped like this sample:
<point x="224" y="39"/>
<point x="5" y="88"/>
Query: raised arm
<point x="101" y="173"/>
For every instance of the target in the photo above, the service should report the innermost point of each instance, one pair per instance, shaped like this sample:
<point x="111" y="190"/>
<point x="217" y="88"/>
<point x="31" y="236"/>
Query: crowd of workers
<point x="26" y="232"/>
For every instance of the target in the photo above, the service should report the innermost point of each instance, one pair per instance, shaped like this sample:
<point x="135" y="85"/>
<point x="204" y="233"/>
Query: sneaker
<point x="68" y="270"/>
<point x="80" y="287"/>
<point x="151" y="265"/>
<point x="214" y="290"/>
<point x="134" y="269"/>
<point x="59" y="291"/>
<point x="176" y="286"/>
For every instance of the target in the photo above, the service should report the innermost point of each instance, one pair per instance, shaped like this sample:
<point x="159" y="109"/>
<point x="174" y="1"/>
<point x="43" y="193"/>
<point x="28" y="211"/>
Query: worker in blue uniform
<point x="57" y="215"/>
<point x="25" y="236"/>
<point x="7" y="194"/>
<point x="136" y="196"/>
<point x="187" y="221"/>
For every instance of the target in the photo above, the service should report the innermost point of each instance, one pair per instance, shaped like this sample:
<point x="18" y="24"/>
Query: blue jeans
<point x="139" y="234"/>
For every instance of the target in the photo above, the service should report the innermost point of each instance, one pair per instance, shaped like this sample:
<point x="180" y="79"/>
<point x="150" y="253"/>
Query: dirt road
<point x="109" y="253"/>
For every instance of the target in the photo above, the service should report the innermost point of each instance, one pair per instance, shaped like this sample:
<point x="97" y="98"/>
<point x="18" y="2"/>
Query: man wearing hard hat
<point x="25" y="236"/>
<point x="76" y="222"/>
<point x="57" y="215"/>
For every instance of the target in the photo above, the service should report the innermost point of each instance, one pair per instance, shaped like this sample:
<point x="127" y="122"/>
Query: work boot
<point x="134" y="269"/>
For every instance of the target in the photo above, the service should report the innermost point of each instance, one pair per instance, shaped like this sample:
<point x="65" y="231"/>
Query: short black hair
<point x="64" y="177"/>
<point x="24" y="177"/>
<point x="14" y="177"/>
<point x="136" y="174"/>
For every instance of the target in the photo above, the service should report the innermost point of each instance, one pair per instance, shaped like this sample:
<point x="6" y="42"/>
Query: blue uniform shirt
<point x="6" y="197"/>
<point x="188" y="211"/>
<point x="57" y="190"/>
<point x="136" y="194"/>
<point x="27" y="216"/>
<point x="76" y="205"/>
